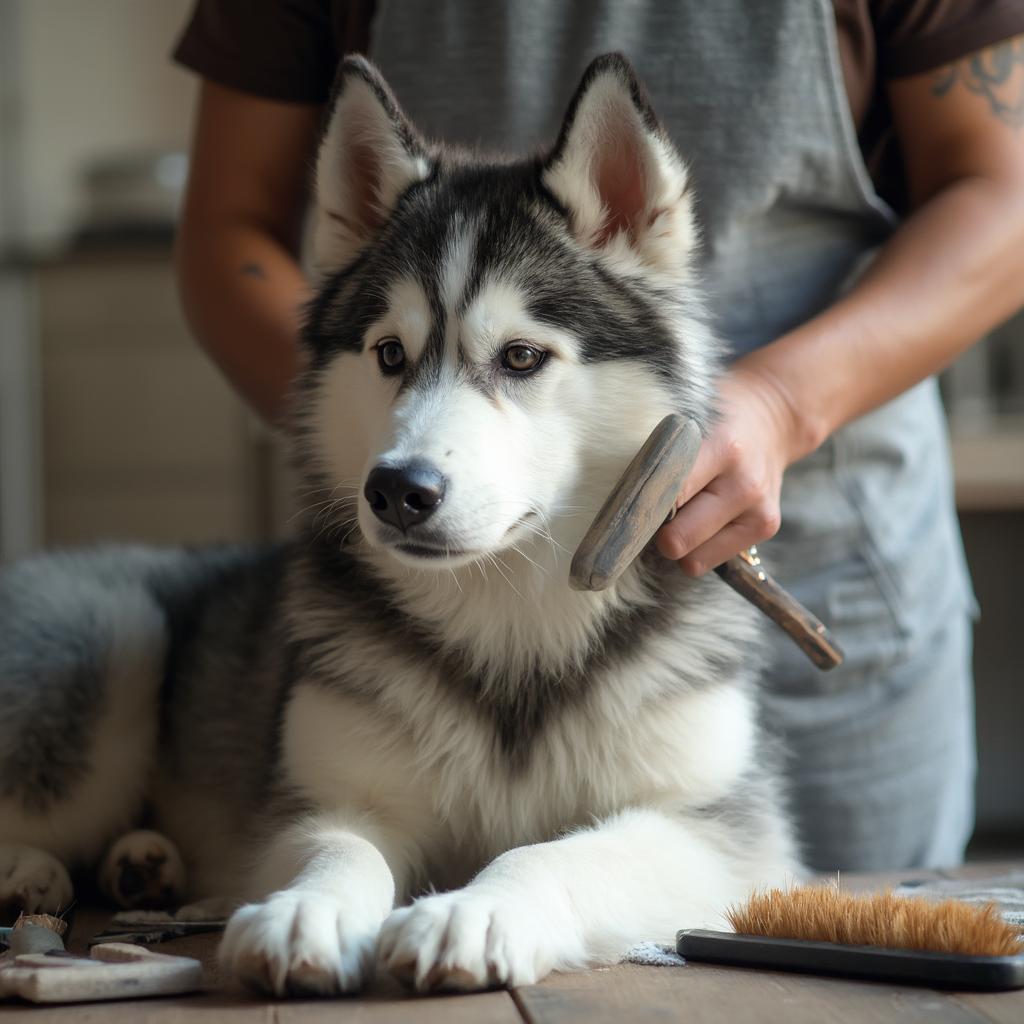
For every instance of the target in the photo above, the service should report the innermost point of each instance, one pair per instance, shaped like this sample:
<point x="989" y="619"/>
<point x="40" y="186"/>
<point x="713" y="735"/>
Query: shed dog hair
<point x="401" y="741"/>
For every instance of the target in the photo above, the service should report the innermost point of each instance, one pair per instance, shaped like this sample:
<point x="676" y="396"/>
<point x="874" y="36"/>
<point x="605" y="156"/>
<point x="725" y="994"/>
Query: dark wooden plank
<point x="387" y="1004"/>
<point x="997" y="1007"/>
<point x="698" y="993"/>
<point x="380" y="1007"/>
<point x="984" y="869"/>
<point x="877" y="880"/>
<point x="498" y="1007"/>
<point x="196" y="1010"/>
<point x="695" y="993"/>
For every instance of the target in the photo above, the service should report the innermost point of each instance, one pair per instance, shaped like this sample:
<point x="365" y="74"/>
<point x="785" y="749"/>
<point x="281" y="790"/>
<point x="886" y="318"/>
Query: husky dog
<point x="402" y="741"/>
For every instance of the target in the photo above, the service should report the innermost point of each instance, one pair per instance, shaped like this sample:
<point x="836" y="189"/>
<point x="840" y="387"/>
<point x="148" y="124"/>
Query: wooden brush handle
<point x="643" y="499"/>
<point x="746" y="576"/>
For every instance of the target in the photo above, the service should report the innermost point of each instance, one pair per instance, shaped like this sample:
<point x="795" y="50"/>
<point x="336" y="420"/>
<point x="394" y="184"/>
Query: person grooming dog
<point x="843" y="269"/>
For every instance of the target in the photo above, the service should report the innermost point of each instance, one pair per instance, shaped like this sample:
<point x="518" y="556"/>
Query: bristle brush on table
<point x="881" y="937"/>
<point x="639" y="505"/>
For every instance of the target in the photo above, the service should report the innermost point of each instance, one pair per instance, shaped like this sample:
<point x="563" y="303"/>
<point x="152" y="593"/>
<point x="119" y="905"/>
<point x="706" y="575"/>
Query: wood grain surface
<point x="696" y="994"/>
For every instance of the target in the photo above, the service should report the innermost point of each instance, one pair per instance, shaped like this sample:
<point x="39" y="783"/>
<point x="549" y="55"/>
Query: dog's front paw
<point x="464" y="940"/>
<point x="299" y="943"/>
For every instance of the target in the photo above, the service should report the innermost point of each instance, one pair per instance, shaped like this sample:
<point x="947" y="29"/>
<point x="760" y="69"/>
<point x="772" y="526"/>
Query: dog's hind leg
<point x="82" y="647"/>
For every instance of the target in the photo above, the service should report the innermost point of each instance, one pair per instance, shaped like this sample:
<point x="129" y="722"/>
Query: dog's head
<point x="493" y="340"/>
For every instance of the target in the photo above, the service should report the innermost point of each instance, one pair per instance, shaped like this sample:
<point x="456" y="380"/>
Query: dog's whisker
<point x="325" y="507"/>
<point x="522" y="554"/>
<point x="505" y="571"/>
<point x="544" y="534"/>
<point x="330" y="491"/>
<point x="314" y="490"/>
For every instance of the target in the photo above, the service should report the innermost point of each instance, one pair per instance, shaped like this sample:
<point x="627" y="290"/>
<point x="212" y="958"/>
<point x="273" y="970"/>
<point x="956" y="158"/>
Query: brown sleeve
<point x="915" y="36"/>
<point x="279" y="49"/>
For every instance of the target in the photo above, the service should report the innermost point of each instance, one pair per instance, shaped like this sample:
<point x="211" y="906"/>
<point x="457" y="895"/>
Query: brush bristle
<point x="55" y="924"/>
<point x="828" y="914"/>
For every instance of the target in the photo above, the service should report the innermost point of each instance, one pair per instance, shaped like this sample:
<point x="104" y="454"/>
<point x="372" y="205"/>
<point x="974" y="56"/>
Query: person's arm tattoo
<point x="253" y="270"/>
<point x="997" y="74"/>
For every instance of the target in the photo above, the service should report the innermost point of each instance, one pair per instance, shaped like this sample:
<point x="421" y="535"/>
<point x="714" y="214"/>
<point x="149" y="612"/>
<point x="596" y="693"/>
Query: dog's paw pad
<point x="143" y="869"/>
<point x="462" y="941"/>
<point x="299" y="943"/>
<point x="32" y="881"/>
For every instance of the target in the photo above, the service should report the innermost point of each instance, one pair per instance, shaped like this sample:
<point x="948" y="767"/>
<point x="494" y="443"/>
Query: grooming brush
<point x="644" y="499"/>
<point x="882" y="937"/>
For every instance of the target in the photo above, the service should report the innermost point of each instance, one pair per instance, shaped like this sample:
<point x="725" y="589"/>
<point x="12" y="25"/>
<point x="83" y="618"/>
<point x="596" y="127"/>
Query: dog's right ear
<point x="369" y="155"/>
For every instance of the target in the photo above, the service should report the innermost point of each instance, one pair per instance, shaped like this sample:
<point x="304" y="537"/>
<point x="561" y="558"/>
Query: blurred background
<point x="113" y="424"/>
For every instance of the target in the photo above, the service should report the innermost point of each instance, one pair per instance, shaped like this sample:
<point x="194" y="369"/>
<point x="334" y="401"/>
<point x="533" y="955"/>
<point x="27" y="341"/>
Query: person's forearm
<point x="243" y="291"/>
<point x="950" y="273"/>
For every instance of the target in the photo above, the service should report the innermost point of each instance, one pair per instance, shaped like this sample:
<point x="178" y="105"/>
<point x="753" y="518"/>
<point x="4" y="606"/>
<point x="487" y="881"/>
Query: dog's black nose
<point x="403" y="496"/>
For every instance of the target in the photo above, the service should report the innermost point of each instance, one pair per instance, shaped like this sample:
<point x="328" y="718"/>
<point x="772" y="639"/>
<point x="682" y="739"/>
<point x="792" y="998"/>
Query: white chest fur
<point x="446" y="782"/>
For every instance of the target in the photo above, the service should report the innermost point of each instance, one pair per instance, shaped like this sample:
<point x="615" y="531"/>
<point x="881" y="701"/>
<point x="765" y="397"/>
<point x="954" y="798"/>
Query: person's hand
<point x="731" y="497"/>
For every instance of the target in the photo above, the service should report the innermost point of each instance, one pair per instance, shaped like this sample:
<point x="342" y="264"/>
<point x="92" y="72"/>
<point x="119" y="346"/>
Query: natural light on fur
<point x="400" y="742"/>
<point x="828" y="914"/>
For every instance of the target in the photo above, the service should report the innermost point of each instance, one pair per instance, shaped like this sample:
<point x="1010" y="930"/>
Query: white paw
<point x="143" y="869"/>
<point x="32" y="881"/>
<point x="464" y="940"/>
<point x="299" y="943"/>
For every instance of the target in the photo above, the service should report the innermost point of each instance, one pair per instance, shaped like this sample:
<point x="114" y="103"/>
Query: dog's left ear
<point x="616" y="172"/>
<point x="369" y="155"/>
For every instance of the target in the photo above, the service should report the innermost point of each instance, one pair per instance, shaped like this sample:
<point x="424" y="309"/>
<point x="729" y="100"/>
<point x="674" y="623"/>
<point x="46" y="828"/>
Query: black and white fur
<point x="391" y="707"/>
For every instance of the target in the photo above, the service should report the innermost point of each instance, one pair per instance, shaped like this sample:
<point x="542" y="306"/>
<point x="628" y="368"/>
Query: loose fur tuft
<point x="827" y="914"/>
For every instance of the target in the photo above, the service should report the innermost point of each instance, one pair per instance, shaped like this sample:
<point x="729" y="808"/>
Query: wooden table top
<point x="694" y="993"/>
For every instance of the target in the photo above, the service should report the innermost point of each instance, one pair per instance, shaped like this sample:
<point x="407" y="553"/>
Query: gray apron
<point x="882" y="749"/>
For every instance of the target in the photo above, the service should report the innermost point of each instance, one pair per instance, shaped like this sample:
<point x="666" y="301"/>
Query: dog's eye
<point x="390" y="355"/>
<point x="520" y="358"/>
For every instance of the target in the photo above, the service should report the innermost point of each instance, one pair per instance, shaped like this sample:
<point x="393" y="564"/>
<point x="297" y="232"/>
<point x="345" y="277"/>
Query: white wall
<point x="95" y="78"/>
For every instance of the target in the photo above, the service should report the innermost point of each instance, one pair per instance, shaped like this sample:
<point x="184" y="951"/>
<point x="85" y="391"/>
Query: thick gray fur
<point x="56" y="649"/>
<point x="227" y="635"/>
